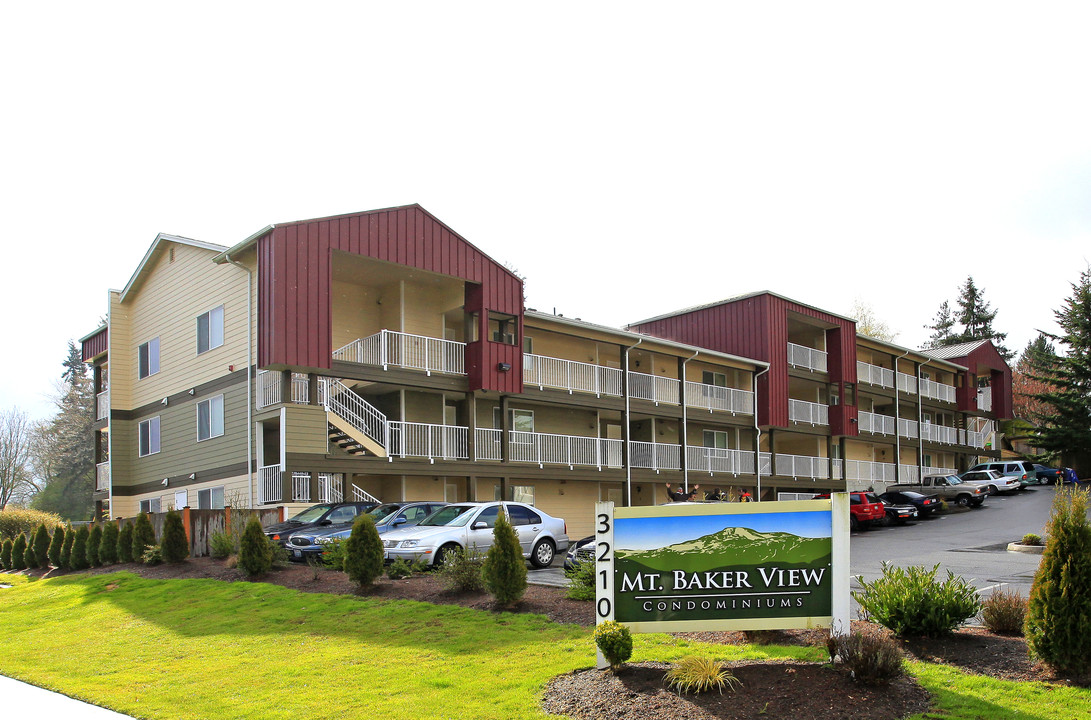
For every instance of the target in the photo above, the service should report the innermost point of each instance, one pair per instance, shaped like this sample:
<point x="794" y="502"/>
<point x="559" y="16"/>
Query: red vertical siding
<point x="94" y="345"/>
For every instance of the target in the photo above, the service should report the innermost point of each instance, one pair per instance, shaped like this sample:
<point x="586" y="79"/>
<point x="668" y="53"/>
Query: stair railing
<point x="339" y="399"/>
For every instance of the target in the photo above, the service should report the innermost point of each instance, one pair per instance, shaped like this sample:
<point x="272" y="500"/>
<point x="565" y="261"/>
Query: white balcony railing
<point x="808" y="412"/>
<point x="656" y="388"/>
<point x="544" y="448"/>
<point x="415" y="352"/>
<point x="102" y="405"/>
<point x="270" y="489"/>
<point x="907" y="383"/>
<point x="865" y="470"/>
<point x="301" y="487"/>
<point x="907" y="428"/>
<point x="909" y="473"/>
<point x="937" y="391"/>
<point x="102" y="476"/>
<point x="270" y="392"/>
<point x="874" y="375"/>
<point x="655" y="456"/>
<point x="329" y="487"/>
<point x="435" y="442"/>
<point x="719" y="460"/>
<point x="973" y="439"/>
<point x="804" y="466"/>
<point x="714" y="397"/>
<point x="571" y="375"/>
<point x="878" y="424"/>
<point x="806" y="357"/>
<point x="487" y="444"/>
<point x="939" y="433"/>
<point x="985" y="399"/>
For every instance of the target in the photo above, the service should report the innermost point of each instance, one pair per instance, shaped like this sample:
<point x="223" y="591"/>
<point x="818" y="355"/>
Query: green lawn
<point x="207" y="649"/>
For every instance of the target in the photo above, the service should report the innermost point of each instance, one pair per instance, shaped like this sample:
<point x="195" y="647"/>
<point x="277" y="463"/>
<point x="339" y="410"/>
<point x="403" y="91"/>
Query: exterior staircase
<point x="355" y="425"/>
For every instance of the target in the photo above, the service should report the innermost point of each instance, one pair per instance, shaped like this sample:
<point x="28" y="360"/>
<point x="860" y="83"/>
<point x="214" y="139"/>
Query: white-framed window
<point x="210" y="329"/>
<point x="181" y="499"/>
<point x="210" y="418"/>
<point x="521" y="420"/>
<point x="148" y="443"/>
<point x="147" y="358"/>
<point x="715" y="439"/>
<point x="521" y="493"/>
<point x="718" y="379"/>
<point x="150" y="506"/>
<point x="211" y="498"/>
<point x="528" y="344"/>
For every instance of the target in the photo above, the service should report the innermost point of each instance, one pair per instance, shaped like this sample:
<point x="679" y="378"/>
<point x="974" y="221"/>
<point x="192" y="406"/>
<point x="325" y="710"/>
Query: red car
<point x="864" y="508"/>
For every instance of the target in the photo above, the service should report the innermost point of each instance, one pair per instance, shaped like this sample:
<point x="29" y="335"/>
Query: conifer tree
<point x="255" y="552"/>
<point x="56" y="543"/>
<point x="79" y="561"/>
<point x="942" y="327"/>
<point x="143" y="536"/>
<point x="174" y="542"/>
<point x="41" y="547"/>
<point x="125" y="543"/>
<point x="66" y="549"/>
<point x="19" y="552"/>
<point x="30" y="558"/>
<point x="94" y="541"/>
<point x="505" y="571"/>
<point x="976" y="317"/>
<point x="363" y="552"/>
<point x="107" y="550"/>
<point x="5" y="554"/>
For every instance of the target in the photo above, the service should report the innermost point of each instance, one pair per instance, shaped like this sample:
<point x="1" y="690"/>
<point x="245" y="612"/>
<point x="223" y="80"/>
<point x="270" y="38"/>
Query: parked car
<point x="925" y="504"/>
<point x="388" y="516"/>
<point x="992" y="479"/>
<point x="1048" y="475"/>
<point x="468" y="526"/>
<point x="948" y="487"/>
<point x="864" y="508"/>
<point x="322" y="515"/>
<point x="1021" y="470"/>
<point x="897" y="513"/>
<point x="583" y="550"/>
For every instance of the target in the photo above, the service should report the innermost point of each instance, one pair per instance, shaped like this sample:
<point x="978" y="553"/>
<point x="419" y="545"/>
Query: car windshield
<point x="453" y="515"/>
<point x="311" y="514"/>
<point x="953" y="480"/>
<point x="382" y="512"/>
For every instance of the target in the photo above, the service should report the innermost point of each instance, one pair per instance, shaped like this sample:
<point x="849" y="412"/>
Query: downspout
<point x="757" y="439"/>
<point x="685" y="438"/>
<point x="897" y="417"/>
<point x="249" y="375"/>
<point x="628" y="458"/>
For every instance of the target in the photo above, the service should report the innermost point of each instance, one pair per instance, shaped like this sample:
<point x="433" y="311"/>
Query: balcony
<point x="413" y="352"/>
<point x="102" y="477"/>
<point x="571" y="376"/>
<point x="270" y="488"/>
<point x="270" y="392"/>
<point x="937" y="391"/>
<point x="802" y="466"/>
<point x="870" y="471"/>
<point x="544" y="448"/>
<point x="720" y="460"/>
<point x="656" y="388"/>
<point x="907" y="428"/>
<point x="939" y="434"/>
<point x="714" y="397"/>
<point x="877" y="424"/>
<point x="874" y="375"/>
<point x="985" y="399"/>
<point x="655" y="456"/>
<point x="907" y="383"/>
<point x="806" y="357"/>
<point x="434" y="442"/>
<point x="808" y="412"/>
<point x="102" y="405"/>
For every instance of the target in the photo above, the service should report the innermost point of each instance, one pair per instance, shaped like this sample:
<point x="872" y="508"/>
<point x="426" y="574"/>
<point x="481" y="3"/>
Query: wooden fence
<point x="200" y="525"/>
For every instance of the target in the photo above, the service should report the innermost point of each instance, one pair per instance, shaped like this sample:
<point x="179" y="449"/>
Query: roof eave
<point x="159" y="240"/>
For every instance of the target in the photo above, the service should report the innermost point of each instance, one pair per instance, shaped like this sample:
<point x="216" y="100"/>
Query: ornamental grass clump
<point x="125" y="543"/>
<point x="505" y="571"/>
<point x="363" y="552"/>
<point x="615" y="642"/>
<point x="1004" y="612"/>
<point x="870" y="658"/>
<point x="911" y="602"/>
<point x="174" y="545"/>
<point x="56" y="543"/>
<point x="700" y="674"/>
<point x="1058" y="624"/>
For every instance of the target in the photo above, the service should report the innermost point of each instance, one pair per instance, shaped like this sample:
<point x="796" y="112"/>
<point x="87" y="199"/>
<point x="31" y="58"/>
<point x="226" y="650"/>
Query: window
<point x="519" y="515"/>
<point x="149" y="436"/>
<point x="211" y="499"/>
<point x="521" y="420"/>
<point x="488" y="516"/>
<point x="150" y="506"/>
<point x="521" y="493"/>
<point x="715" y="439"/>
<point x="210" y="418"/>
<point x="714" y="378"/>
<point x="342" y="515"/>
<point x="503" y="328"/>
<point x="528" y="345"/>
<point x="210" y="330"/>
<point x="148" y="358"/>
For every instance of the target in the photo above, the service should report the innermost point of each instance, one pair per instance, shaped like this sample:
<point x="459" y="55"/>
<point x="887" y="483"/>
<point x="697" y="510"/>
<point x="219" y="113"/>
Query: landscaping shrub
<point x="1032" y="539"/>
<point x="222" y="545"/>
<point x="504" y="571"/>
<point x="94" y="540"/>
<point x="1058" y="624"/>
<point x="19" y="553"/>
<point x="41" y="546"/>
<point x="30" y="559"/>
<point x="175" y="546"/>
<point x="1004" y="612"/>
<point x="911" y="601"/>
<point x="107" y="551"/>
<point x="871" y="658"/>
<point x="153" y="555"/>
<point x="333" y="555"/>
<point x="125" y="543"/>
<point x="255" y="553"/>
<point x="364" y="552"/>
<point x="18" y="521"/>
<point x="5" y="554"/>
<point x="581" y="578"/>
<point x="615" y="642"/>
<point x="79" y="560"/>
<point x="399" y="569"/>
<point x="66" y="549"/>
<point x="56" y="543"/>
<point x="143" y="536"/>
<point x="699" y="674"/>
<point x="461" y="571"/>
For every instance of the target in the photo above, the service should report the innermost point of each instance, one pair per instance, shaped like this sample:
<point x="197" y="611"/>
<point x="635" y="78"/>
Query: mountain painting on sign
<point x="737" y="567"/>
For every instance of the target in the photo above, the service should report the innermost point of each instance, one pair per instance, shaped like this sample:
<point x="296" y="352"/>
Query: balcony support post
<point x="285" y="386"/>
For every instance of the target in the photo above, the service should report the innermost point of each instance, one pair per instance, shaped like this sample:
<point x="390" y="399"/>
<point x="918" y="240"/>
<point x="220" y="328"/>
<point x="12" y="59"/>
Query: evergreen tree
<point x="41" y="547"/>
<point x="30" y="558"/>
<point x="942" y="327"/>
<point x="55" y="545"/>
<point x="255" y="552"/>
<point x="125" y="543"/>
<point x="78" y="560"/>
<point x="363" y="552"/>
<point x="19" y="552"/>
<point x="107" y="551"/>
<point x="143" y="536"/>
<point x="505" y="571"/>
<point x="66" y="549"/>
<point x="5" y="554"/>
<point x="1064" y="429"/>
<point x="976" y="317"/>
<point x="174" y="542"/>
<point x="94" y="542"/>
<point x="1038" y="358"/>
<point x="1058" y="623"/>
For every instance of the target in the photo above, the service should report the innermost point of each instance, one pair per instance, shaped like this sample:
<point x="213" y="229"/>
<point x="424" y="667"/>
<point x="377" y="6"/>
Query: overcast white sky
<point x="628" y="159"/>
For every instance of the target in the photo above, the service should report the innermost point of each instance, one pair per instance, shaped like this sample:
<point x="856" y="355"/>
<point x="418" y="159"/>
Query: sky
<point x="627" y="159"/>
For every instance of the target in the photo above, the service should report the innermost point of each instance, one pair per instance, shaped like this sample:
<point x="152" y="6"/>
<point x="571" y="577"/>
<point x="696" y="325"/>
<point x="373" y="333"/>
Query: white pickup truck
<point x="948" y="487"/>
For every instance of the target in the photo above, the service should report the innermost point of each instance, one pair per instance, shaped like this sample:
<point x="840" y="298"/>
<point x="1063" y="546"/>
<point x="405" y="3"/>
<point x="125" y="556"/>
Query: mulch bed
<point x="796" y="690"/>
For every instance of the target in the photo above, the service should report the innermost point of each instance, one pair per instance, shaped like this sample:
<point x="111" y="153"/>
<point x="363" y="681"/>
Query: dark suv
<point x="323" y="515"/>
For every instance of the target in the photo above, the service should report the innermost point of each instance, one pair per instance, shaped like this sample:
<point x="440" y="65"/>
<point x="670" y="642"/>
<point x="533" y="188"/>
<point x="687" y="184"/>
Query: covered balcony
<point x="388" y="348"/>
<point x="874" y="375"/>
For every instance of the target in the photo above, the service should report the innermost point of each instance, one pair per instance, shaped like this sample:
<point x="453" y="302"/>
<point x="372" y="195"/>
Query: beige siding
<point x="122" y="355"/>
<point x="305" y="429"/>
<point x="356" y="310"/>
<point x="567" y="347"/>
<point x="814" y="446"/>
<point x="423" y="407"/>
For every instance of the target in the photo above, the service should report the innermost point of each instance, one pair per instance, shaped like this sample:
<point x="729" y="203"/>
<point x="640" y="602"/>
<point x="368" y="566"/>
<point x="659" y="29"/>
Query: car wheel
<point x="542" y="554"/>
<point x="442" y="553"/>
<point x="886" y="521"/>
<point x="962" y="500"/>
<point x="854" y="524"/>
<point x="994" y="490"/>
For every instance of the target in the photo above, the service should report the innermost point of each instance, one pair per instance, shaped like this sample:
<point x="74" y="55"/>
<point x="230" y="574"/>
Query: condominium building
<point x="381" y="355"/>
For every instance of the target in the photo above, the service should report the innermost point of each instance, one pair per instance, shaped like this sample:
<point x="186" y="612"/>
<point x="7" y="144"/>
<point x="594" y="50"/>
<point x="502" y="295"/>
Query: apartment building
<point x="381" y="355"/>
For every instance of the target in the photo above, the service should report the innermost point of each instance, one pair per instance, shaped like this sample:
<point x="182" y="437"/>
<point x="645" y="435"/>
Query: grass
<point x="208" y="649"/>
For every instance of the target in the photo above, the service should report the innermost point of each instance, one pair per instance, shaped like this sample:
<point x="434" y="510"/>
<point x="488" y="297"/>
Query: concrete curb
<point x="1028" y="549"/>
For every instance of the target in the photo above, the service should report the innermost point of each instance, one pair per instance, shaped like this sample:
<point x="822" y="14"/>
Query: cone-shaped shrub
<point x="94" y="541"/>
<point x="55" y="545"/>
<point x="30" y="560"/>
<point x="41" y="546"/>
<point x="107" y="551"/>
<point x="78" y="561"/>
<point x="5" y="554"/>
<point x="1058" y="624"/>
<point x="174" y="542"/>
<point x="143" y="536"/>
<point x="255" y="552"/>
<point x="125" y="543"/>
<point x="66" y="549"/>
<point x="505" y="571"/>
<point x="363" y="552"/>
<point x="19" y="552"/>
